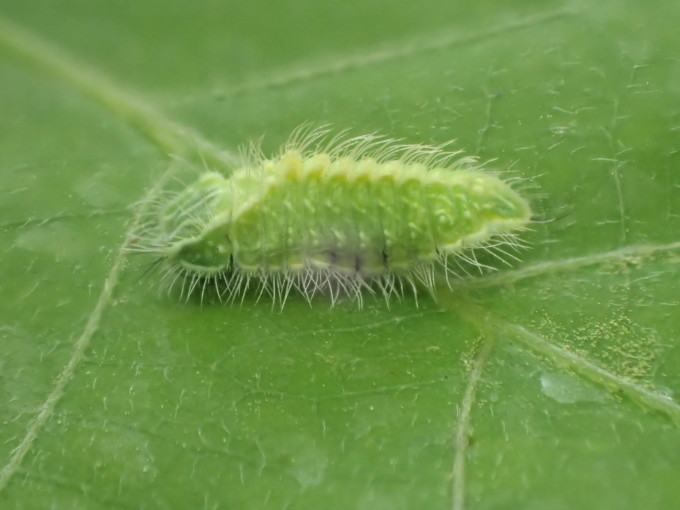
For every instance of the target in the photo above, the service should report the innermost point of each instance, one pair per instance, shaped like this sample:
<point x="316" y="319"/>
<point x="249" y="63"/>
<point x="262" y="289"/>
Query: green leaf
<point x="552" y="384"/>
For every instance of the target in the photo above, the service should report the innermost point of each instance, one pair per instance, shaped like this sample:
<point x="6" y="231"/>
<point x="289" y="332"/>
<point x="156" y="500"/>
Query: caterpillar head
<point x="208" y="255"/>
<point x="185" y="231"/>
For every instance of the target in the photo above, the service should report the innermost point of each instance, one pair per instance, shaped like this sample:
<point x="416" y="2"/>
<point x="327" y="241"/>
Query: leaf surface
<point x="552" y="384"/>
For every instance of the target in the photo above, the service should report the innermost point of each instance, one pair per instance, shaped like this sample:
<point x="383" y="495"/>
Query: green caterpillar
<point x="360" y="215"/>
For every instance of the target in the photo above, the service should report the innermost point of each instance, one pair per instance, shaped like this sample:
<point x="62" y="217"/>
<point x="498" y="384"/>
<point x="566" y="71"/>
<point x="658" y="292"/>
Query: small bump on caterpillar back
<point x="333" y="215"/>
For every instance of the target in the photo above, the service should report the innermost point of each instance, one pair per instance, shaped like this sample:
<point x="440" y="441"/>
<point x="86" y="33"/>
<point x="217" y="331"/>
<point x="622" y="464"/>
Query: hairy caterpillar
<point x="346" y="216"/>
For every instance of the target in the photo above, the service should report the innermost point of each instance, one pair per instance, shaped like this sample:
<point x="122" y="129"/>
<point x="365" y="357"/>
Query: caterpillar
<point x="344" y="216"/>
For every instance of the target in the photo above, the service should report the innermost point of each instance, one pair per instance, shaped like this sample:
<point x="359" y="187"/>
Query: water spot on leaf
<point x="569" y="389"/>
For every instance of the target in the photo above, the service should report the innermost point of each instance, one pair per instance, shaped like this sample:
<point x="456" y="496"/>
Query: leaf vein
<point x="620" y="255"/>
<point x="46" y="410"/>
<point x="461" y="433"/>
<point x="382" y="55"/>
<point x="491" y="324"/>
<point x="166" y="133"/>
